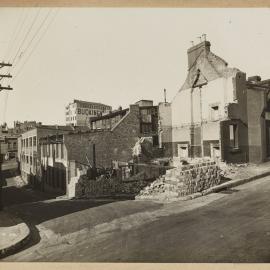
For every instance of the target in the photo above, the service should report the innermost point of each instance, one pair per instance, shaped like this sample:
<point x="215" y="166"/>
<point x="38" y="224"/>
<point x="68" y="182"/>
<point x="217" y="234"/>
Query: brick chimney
<point x="195" y="51"/>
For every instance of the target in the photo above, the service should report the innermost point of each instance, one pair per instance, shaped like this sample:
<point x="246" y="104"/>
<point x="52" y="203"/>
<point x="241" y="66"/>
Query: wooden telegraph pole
<point x="2" y="76"/>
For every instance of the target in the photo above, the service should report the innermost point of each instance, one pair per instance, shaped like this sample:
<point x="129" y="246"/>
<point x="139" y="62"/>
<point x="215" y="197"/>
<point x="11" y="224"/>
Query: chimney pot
<point x="195" y="51"/>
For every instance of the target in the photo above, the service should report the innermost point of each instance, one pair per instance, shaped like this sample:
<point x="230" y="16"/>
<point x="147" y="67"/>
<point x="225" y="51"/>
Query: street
<point x="230" y="226"/>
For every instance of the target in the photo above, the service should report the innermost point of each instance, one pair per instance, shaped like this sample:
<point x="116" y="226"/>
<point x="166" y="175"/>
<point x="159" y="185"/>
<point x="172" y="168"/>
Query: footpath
<point x="14" y="234"/>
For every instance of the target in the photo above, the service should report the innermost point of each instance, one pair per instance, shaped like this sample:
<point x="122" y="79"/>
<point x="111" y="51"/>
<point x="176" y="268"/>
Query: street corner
<point x="14" y="234"/>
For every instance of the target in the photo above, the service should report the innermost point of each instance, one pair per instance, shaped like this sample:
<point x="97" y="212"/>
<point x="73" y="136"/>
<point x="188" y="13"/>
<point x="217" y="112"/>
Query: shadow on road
<point x="51" y="212"/>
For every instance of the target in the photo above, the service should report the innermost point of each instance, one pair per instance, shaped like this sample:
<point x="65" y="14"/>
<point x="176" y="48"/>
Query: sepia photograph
<point x="134" y="134"/>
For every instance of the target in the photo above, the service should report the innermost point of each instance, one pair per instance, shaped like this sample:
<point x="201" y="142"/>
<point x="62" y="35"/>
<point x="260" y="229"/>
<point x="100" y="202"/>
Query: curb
<point x="16" y="246"/>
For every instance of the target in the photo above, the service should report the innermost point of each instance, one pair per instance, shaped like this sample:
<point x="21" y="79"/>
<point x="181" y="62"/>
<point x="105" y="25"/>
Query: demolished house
<point x="219" y="113"/>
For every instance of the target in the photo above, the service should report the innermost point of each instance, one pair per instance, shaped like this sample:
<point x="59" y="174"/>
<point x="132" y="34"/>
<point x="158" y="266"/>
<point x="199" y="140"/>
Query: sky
<point x="116" y="56"/>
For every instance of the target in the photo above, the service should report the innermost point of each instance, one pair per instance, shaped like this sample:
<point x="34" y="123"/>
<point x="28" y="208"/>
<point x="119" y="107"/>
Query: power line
<point x="14" y="35"/>
<point x="37" y="43"/>
<point x="36" y="33"/>
<point x="14" y="58"/>
<point x="19" y="30"/>
<point x="15" y="38"/>
<point x="24" y="17"/>
<point x="25" y="37"/>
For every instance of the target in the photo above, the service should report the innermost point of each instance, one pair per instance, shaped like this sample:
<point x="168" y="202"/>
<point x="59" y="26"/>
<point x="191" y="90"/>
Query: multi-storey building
<point x="29" y="150"/>
<point x="79" y="112"/>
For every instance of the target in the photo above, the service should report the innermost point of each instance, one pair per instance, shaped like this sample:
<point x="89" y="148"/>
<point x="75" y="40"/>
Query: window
<point x="26" y="142"/>
<point x="30" y="142"/>
<point x="34" y="141"/>
<point x="44" y="146"/>
<point x="215" y="112"/>
<point x="56" y="150"/>
<point x="48" y="149"/>
<point x="31" y="161"/>
<point x="27" y="159"/>
<point x="62" y="151"/>
<point x="233" y="136"/>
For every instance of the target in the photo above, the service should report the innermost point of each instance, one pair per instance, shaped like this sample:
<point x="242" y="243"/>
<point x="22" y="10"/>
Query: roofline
<point x="109" y="115"/>
<point x="89" y="102"/>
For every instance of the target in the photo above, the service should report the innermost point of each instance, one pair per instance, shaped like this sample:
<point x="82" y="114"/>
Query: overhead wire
<point x="36" y="32"/>
<point x="24" y="17"/>
<point x="18" y="51"/>
<point x="14" y="34"/>
<point x="39" y="40"/>
<point x="20" y="23"/>
<point x="26" y="35"/>
<point x="35" y="46"/>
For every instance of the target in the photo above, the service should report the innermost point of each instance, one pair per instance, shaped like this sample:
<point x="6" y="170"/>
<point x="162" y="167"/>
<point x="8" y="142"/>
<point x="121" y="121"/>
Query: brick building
<point x="79" y="112"/>
<point x="111" y="138"/>
<point x="219" y="113"/>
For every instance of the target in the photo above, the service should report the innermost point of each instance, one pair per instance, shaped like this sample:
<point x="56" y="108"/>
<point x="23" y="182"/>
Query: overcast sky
<point x="116" y="56"/>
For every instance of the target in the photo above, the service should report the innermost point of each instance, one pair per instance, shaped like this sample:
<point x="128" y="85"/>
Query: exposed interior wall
<point x="196" y="104"/>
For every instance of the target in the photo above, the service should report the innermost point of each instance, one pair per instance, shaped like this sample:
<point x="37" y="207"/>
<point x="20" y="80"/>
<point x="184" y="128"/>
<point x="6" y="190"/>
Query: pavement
<point x="14" y="233"/>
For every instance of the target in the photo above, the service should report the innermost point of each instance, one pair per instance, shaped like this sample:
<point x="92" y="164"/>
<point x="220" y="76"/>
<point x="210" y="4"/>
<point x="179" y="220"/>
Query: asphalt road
<point x="232" y="226"/>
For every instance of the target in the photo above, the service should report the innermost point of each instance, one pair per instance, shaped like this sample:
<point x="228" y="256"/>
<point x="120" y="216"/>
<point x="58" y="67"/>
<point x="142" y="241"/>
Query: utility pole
<point x="2" y="76"/>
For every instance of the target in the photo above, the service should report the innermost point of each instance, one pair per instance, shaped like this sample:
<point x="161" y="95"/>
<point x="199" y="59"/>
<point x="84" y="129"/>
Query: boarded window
<point x="233" y="136"/>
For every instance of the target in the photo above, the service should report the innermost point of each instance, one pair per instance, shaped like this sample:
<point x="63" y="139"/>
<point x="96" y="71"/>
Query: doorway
<point x="183" y="151"/>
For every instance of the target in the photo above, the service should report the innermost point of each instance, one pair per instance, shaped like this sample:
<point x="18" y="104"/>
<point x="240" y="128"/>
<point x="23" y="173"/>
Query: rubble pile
<point x="106" y="187"/>
<point x="183" y="181"/>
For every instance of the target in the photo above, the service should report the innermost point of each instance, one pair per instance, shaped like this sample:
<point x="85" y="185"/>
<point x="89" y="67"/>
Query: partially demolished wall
<point x="183" y="181"/>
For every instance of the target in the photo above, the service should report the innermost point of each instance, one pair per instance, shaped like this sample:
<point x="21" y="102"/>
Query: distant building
<point x="8" y="147"/>
<point x="20" y="127"/>
<point x="79" y="112"/>
<point x="9" y="137"/>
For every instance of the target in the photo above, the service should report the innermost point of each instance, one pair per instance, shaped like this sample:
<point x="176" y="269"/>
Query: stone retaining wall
<point x="183" y="181"/>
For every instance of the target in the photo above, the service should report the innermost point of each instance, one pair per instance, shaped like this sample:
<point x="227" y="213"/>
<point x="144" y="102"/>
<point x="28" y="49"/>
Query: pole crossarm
<point x="5" y="65"/>
<point x="5" y="88"/>
<point x="5" y="76"/>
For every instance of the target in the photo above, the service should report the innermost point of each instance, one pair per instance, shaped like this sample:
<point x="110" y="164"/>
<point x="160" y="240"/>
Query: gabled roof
<point x="207" y="67"/>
